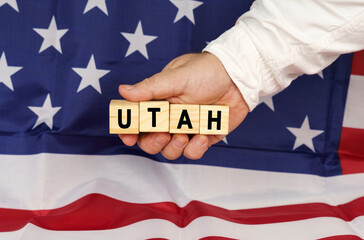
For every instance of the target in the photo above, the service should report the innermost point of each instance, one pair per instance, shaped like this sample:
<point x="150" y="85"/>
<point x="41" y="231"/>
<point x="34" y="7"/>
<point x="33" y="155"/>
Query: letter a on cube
<point x="124" y="117"/>
<point x="214" y="120"/>
<point x="184" y="118"/>
<point x="154" y="116"/>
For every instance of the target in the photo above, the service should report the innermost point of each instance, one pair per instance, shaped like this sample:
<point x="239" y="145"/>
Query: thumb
<point x="162" y="85"/>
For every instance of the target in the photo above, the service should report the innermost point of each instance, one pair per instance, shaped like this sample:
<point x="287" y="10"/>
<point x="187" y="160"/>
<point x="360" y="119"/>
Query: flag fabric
<point x="293" y="170"/>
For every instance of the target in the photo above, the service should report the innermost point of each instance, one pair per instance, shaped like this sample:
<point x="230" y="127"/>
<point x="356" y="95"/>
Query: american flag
<point x="293" y="170"/>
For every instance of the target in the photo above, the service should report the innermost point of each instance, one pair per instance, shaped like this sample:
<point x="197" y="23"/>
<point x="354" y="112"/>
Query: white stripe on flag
<point x="354" y="109"/>
<point x="202" y="227"/>
<point x="48" y="181"/>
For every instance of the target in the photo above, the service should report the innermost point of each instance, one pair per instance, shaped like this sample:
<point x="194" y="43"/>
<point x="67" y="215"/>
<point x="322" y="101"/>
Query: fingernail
<point x="179" y="143"/>
<point x="129" y="87"/>
<point x="201" y="141"/>
<point x="161" y="140"/>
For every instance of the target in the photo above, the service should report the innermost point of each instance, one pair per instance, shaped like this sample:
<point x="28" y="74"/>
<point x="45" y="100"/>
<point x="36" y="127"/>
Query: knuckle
<point x="195" y="153"/>
<point x="149" y="85"/>
<point x="169" y="156"/>
<point x="147" y="82"/>
<point x="171" y="153"/>
<point x="190" y="155"/>
<point x="148" y="148"/>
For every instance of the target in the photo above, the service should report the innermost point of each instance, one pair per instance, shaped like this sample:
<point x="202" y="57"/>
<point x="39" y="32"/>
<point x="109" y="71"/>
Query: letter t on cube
<point x="154" y="116"/>
<point x="124" y="117"/>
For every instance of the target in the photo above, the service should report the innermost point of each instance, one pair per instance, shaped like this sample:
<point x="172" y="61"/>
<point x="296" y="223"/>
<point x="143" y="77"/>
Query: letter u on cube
<point x="161" y="116"/>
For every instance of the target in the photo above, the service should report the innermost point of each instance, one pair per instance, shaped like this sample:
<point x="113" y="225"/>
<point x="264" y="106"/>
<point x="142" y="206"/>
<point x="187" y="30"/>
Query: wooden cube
<point x="214" y="120"/>
<point x="124" y="117"/>
<point x="184" y="118"/>
<point x="154" y="116"/>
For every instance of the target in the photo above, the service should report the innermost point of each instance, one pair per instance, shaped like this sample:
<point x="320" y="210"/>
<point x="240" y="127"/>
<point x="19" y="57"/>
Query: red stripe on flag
<point x="342" y="237"/>
<point x="358" y="63"/>
<point x="351" y="150"/>
<point x="99" y="212"/>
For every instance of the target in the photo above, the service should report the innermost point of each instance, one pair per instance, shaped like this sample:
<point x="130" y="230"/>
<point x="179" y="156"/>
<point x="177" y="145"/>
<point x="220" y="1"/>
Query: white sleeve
<point x="278" y="40"/>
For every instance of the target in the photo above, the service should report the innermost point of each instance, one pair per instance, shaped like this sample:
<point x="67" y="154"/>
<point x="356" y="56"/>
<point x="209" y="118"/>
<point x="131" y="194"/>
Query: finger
<point x="175" y="147"/>
<point x="196" y="148"/>
<point x="129" y="139"/>
<point x="153" y="143"/>
<point x="162" y="85"/>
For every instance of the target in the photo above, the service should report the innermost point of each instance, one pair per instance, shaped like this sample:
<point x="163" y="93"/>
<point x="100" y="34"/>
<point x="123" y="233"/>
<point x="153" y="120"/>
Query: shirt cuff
<point x="244" y="64"/>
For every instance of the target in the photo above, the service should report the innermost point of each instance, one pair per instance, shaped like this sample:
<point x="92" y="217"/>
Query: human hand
<point x="189" y="79"/>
